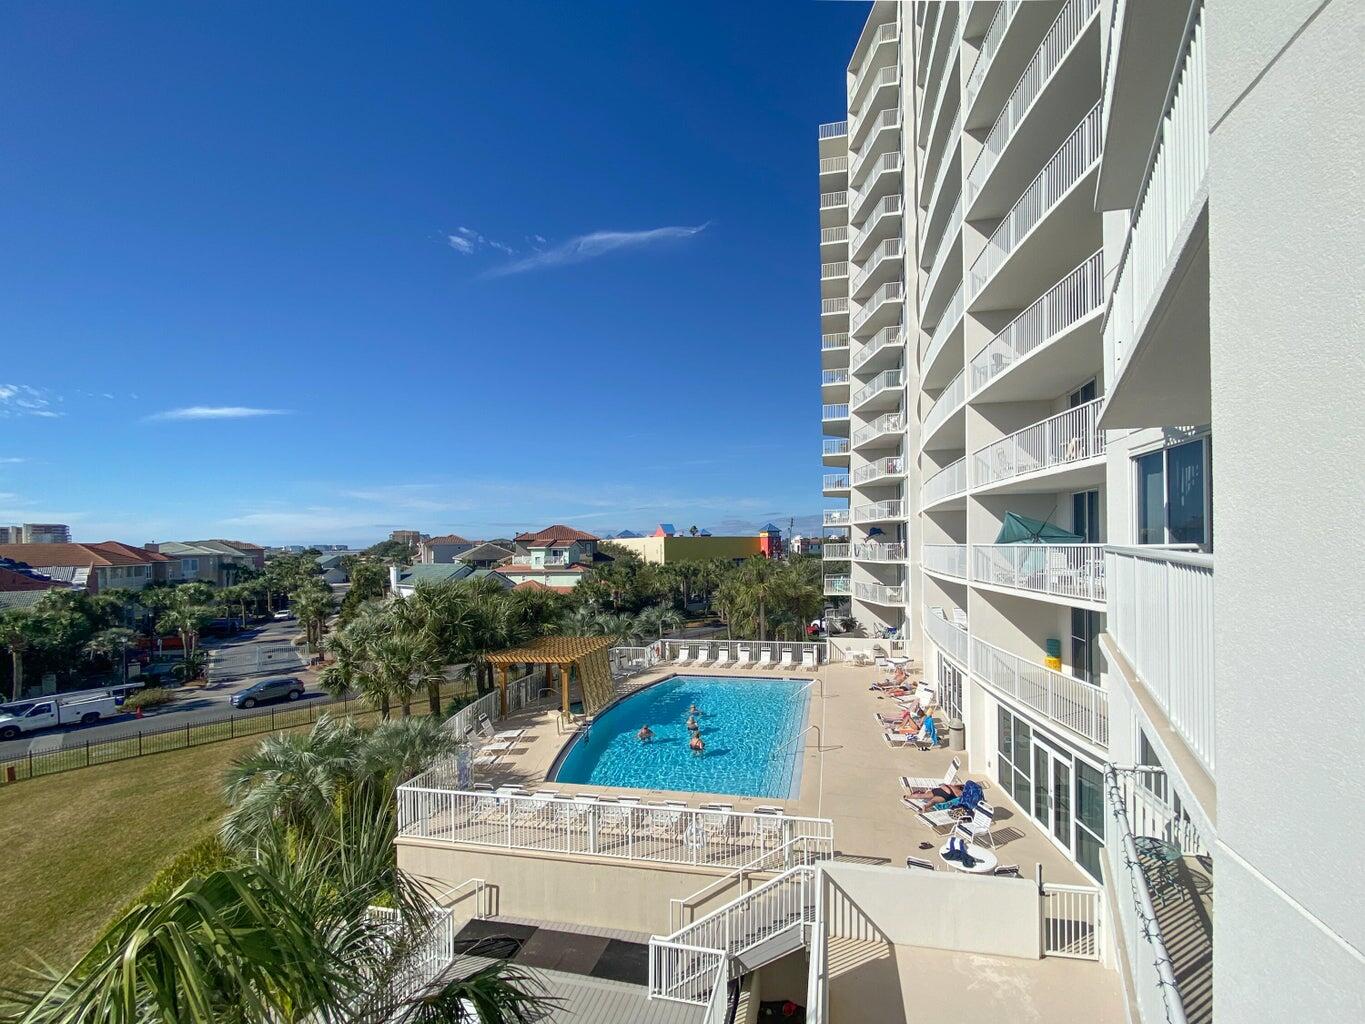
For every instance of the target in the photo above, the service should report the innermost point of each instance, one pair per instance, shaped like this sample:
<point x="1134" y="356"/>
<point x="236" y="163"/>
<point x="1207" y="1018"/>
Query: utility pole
<point x="791" y="532"/>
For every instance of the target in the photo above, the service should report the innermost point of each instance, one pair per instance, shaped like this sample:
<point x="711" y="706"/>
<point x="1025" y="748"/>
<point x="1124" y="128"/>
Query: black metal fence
<point x="159" y="739"/>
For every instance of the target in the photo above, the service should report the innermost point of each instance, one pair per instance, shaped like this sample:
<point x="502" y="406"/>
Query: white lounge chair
<point x="903" y="739"/>
<point x="722" y="657"/>
<point x="810" y="661"/>
<point x="746" y="656"/>
<point x="486" y="730"/>
<point x="664" y="819"/>
<point x="924" y="782"/>
<point x="767" y="659"/>
<point x="959" y="618"/>
<point x="684" y="655"/>
<point x="717" y="821"/>
<point x="768" y="824"/>
<point x="703" y="655"/>
<point x="615" y="815"/>
<point x="788" y="658"/>
<point x="920" y="863"/>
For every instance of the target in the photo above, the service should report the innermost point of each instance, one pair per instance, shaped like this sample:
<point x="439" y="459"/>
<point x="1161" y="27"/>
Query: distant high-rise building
<point x="36" y="533"/>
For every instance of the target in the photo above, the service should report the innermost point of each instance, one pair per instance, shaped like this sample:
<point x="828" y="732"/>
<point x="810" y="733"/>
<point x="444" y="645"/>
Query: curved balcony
<point x="942" y="427"/>
<point x="1069" y="702"/>
<point x="837" y="586"/>
<point x="990" y="44"/>
<point x="1051" y="219"/>
<point x="886" y="390"/>
<point x="1049" y="95"/>
<point x="951" y="639"/>
<point x="834" y="484"/>
<point x="890" y="470"/>
<point x="1070" y="574"/>
<point x="833" y="129"/>
<point x="949" y="484"/>
<point x="879" y="593"/>
<point x="880" y="553"/>
<point x="1048" y="346"/>
<point x="886" y="214"/>
<point x="834" y="451"/>
<point x="945" y="560"/>
<point x="893" y="510"/>
<point x="949" y="169"/>
<point x="881" y="47"/>
<point x="888" y="428"/>
<point x="836" y="517"/>
<point x="885" y="262"/>
<point x="883" y="90"/>
<point x="946" y="271"/>
<point x="883" y="349"/>
<point x="883" y="307"/>
<point x="1064" y="452"/>
<point x="884" y="132"/>
<point x="882" y="180"/>
<point x="834" y="551"/>
<point x="942" y="83"/>
<point x="944" y="351"/>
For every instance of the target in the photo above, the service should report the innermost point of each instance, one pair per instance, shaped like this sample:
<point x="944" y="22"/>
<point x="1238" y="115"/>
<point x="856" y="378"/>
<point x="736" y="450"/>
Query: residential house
<point x="556" y="556"/>
<point x="205" y="561"/>
<point x="403" y="580"/>
<point x="93" y="567"/>
<point x="410" y="537"/>
<point x="486" y="555"/>
<point x="442" y="550"/>
<point x="665" y="548"/>
<point x="22" y="586"/>
<point x="165" y="568"/>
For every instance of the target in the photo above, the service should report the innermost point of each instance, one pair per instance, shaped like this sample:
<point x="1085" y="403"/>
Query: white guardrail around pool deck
<point x="1160" y="616"/>
<point x="665" y="834"/>
<point x="787" y="654"/>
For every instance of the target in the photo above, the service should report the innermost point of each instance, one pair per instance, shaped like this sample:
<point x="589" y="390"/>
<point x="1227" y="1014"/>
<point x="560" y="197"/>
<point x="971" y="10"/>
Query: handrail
<point x="737" y="875"/>
<point x="990" y="45"/>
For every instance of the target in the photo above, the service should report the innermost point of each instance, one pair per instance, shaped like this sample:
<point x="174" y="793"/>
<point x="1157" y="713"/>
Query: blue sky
<point x="300" y="273"/>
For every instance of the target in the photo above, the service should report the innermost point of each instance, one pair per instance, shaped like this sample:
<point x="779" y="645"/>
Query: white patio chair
<point x="722" y="657"/>
<point x="959" y="618"/>
<point x="925" y="782"/>
<point x="979" y="825"/>
<point x="704" y="656"/>
<point x="664" y="819"/>
<point x="614" y="815"/>
<point x="788" y="658"/>
<point x="487" y="730"/>
<point x="767" y="657"/>
<point x="768" y="824"/>
<point x="717" y="822"/>
<point x="1009" y="870"/>
<point x="745" y="657"/>
<point x="810" y="660"/>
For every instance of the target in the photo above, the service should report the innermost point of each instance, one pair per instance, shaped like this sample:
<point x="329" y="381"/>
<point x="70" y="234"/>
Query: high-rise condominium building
<point x="36" y="533"/>
<point x="1063" y="244"/>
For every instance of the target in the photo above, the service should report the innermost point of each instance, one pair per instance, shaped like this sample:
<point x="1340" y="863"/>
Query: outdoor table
<point x="1165" y="858"/>
<point x="986" y="861"/>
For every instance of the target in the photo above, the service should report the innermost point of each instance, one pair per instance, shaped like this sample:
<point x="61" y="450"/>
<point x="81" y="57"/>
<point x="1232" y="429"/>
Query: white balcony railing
<point x="940" y="179"/>
<point x="837" y="517"/>
<point x="990" y="46"/>
<point x="887" y="75"/>
<point x="886" y="119"/>
<point x="951" y="639"/>
<point x="1063" y="699"/>
<point x="831" y="200"/>
<point x="1167" y="200"/>
<point x="833" y="129"/>
<point x="948" y="402"/>
<point x="829" y="271"/>
<point x="837" y="585"/>
<point x="885" y="33"/>
<point x="1072" y="162"/>
<point x="880" y="511"/>
<point x="871" y="552"/>
<point x="948" y="482"/>
<point x="893" y="335"/>
<point x="1067" y="302"/>
<point x="879" y="593"/>
<point x="835" y="482"/>
<point x="834" y="411"/>
<point x="945" y="559"/>
<point x="835" y="551"/>
<point x="1065" y="30"/>
<point x="887" y="163"/>
<point x="1056" y="442"/>
<point x="834" y="306"/>
<point x="1069" y="571"/>
<point x="834" y="235"/>
<point x="886" y="206"/>
<point x="887" y="380"/>
<point x="1160" y="617"/>
<point x="834" y="446"/>
<point x="832" y="341"/>
<point x="890" y="249"/>
<point x="833" y="164"/>
<point x="947" y="248"/>
<point x="952" y="313"/>
<point x="892" y="465"/>
<point x="891" y="291"/>
<point x="829" y="377"/>
<point x="936" y="87"/>
<point x="887" y="423"/>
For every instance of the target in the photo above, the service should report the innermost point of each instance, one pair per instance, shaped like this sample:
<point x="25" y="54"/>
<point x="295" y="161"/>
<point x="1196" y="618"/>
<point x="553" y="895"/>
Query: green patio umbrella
<point x="1017" y="529"/>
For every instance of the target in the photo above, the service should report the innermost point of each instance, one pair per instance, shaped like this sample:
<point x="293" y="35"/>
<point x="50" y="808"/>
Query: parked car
<point x="267" y="691"/>
<point x="45" y="714"/>
<point x="221" y="627"/>
<point x="283" y="615"/>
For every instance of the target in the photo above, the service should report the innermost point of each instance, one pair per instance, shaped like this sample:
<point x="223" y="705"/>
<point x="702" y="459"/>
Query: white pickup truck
<point x="50" y="712"/>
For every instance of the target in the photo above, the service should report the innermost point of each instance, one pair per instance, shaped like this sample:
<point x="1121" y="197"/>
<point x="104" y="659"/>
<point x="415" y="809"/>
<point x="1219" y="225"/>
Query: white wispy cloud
<point x="590" y="246"/>
<point x="216" y="412"/>
<point x="468" y="241"/>
<point x="24" y="400"/>
<point x="11" y="460"/>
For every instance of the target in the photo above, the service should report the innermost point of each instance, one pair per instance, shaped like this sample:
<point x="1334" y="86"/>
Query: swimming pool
<point x="749" y="727"/>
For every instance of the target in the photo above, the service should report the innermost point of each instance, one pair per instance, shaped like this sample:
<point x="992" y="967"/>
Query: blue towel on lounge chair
<point x="971" y="794"/>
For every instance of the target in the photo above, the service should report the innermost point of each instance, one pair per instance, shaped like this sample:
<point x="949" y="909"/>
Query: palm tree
<point x="112" y="644"/>
<point x="312" y="603"/>
<point x="18" y="627"/>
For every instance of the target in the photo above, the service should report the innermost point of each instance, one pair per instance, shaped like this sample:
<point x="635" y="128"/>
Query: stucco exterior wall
<point x="663" y="550"/>
<point x="1286" y="259"/>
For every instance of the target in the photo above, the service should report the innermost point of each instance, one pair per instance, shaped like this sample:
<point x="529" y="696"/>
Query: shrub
<point x="206" y="855"/>
<point x="151" y="697"/>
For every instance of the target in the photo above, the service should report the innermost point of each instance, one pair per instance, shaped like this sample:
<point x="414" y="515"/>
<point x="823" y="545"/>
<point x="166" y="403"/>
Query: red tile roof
<point x="11" y="581"/>
<point x="142" y="554"/>
<point x="557" y="534"/>
<point x="449" y="538"/>
<point x="39" y="555"/>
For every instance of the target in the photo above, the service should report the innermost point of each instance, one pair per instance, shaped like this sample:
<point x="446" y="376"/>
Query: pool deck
<point x="849" y="774"/>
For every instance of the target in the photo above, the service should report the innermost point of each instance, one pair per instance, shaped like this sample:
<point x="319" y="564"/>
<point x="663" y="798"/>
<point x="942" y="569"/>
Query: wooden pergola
<point x="589" y="653"/>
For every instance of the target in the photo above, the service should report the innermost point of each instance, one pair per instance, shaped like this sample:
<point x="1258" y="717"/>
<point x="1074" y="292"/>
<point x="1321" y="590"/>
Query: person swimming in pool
<point x="698" y="747"/>
<point x="646" y="734"/>
<point x="693" y="711"/>
<point x="692" y="725"/>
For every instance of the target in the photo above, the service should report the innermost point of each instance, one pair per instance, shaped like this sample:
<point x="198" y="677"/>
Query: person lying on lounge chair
<point x="911" y="725"/>
<point x="927" y="798"/>
<point x="895" y="721"/>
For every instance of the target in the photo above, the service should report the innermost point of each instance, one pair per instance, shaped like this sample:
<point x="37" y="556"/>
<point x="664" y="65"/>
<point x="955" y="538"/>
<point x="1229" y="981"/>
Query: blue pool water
<point x="748" y="725"/>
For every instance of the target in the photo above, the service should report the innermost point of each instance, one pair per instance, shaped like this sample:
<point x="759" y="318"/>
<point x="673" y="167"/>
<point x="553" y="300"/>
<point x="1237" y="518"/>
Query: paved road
<point x="233" y="665"/>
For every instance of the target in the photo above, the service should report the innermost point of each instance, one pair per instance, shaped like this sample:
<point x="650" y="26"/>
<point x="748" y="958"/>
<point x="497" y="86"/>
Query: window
<point x="949" y="687"/>
<point x="1173" y="495"/>
<point x="1089" y="817"/>
<point x="1085" y="627"/>
<point x="1085" y="393"/>
<point x="1085" y="516"/>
